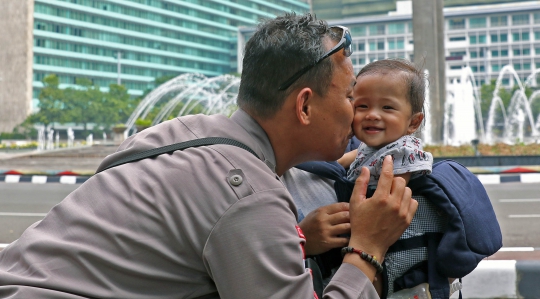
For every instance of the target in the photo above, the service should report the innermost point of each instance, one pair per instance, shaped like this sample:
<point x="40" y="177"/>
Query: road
<point x="517" y="206"/>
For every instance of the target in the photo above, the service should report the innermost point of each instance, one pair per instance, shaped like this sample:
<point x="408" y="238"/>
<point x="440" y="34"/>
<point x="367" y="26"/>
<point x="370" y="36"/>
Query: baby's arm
<point x="406" y="176"/>
<point x="347" y="159"/>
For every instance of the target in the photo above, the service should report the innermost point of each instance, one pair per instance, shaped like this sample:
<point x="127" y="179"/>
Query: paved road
<point x="25" y="203"/>
<point x="517" y="206"/>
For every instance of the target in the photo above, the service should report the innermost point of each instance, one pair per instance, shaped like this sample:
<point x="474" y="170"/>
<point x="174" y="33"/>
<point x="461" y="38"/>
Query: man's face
<point x="333" y="112"/>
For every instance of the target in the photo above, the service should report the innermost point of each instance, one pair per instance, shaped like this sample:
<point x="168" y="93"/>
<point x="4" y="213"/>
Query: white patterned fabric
<point x="407" y="153"/>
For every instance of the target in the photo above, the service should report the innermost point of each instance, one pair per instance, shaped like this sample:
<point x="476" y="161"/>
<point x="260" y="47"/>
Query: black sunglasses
<point x="344" y="43"/>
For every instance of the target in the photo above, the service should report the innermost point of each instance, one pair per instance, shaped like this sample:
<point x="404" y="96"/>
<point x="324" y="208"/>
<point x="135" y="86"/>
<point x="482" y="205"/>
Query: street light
<point x="119" y="67"/>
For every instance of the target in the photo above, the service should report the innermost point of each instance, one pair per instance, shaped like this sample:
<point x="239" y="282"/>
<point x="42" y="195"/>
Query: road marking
<point x="23" y="214"/>
<point x="520" y="200"/>
<point x="525" y="216"/>
<point x="517" y="249"/>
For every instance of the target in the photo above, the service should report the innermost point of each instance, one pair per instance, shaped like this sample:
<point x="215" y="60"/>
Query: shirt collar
<point x="257" y="132"/>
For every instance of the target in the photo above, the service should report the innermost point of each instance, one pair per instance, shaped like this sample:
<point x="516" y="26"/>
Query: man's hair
<point x="277" y="50"/>
<point x="414" y="78"/>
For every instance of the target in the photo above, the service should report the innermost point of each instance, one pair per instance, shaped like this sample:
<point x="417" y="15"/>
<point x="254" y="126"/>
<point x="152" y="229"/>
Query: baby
<point x="388" y="103"/>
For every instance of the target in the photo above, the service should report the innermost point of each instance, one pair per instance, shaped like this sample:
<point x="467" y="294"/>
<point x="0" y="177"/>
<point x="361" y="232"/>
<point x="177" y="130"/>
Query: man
<point x="216" y="221"/>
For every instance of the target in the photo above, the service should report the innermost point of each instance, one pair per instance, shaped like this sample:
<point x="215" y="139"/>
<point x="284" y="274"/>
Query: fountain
<point x="41" y="138"/>
<point x="50" y="136"/>
<point x="214" y="95"/>
<point x="70" y="137"/>
<point x="517" y="114"/>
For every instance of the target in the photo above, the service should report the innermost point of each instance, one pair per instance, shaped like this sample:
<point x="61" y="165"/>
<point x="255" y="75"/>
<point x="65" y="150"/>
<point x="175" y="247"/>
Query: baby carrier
<point x="454" y="228"/>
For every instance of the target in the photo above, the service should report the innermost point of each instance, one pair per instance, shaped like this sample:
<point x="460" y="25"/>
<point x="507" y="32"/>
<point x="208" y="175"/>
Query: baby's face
<point x="382" y="111"/>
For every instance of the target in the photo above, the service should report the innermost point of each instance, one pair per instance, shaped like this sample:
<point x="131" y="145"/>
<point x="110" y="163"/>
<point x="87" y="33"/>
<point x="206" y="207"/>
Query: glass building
<point x="135" y="41"/>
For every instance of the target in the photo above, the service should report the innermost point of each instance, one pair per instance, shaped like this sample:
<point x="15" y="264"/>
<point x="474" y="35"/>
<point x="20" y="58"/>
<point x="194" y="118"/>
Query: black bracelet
<point x="365" y="256"/>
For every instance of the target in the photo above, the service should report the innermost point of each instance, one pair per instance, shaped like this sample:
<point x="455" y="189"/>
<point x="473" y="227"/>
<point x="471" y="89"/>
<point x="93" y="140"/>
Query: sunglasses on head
<point x="344" y="43"/>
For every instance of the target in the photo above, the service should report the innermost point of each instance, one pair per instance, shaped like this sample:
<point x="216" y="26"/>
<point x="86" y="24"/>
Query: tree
<point x="83" y="104"/>
<point x="51" y="103"/>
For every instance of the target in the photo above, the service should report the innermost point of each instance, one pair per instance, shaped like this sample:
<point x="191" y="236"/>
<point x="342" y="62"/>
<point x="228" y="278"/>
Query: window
<point x="474" y="68"/>
<point x="526" y="52"/>
<point x="524" y="35"/>
<point x="376" y="30"/>
<point x="537" y="18"/>
<point x="495" y="67"/>
<point x="526" y="66"/>
<point x="380" y="46"/>
<point x="520" y="19"/>
<point x="497" y="21"/>
<point x="358" y="30"/>
<point x="372" y="46"/>
<point x="504" y="53"/>
<point x="458" y="54"/>
<point x="480" y="39"/>
<point x="477" y="22"/>
<point x="396" y="28"/>
<point x="517" y="66"/>
<point x="517" y="52"/>
<point x="537" y="51"/>
<point x="457" y="23"/>
<point x="361" y="47"/>
<point x="504" y="37"/>
<point x="537" y="35"/>
<point x="474" y="54"/>
<point x="494" y="38"/>
<point x="456" y="67"/>
<point x="458" y="38"/>
<point x="494" y="53"/>
<point x="393" y="44"/>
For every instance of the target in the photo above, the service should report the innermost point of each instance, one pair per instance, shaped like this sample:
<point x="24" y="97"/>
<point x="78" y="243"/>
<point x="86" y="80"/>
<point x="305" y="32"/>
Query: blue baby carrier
<point x="454" y="228"/>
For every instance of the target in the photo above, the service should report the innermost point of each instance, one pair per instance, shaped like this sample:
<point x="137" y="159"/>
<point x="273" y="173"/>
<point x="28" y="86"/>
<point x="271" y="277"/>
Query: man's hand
<point x="377" y="222"/>
<point x="323" y="226"/>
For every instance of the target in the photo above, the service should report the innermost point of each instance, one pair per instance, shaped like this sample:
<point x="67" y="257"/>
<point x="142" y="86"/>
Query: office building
<point x="343" y="9"/>
<point x="482" y="37"/>
<point x="132" y="42"/>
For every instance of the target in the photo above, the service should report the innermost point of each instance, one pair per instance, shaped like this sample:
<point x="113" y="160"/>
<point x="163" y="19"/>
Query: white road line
<point x="517" y="249"/>
<point x="520" y="200"/>
<point x="23" y="214"/>
<point x="525" y="216"/>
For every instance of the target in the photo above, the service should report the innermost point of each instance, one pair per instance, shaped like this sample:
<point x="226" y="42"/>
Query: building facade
<point x="131" y="42"/>
<point x="344" y="9"/>
<point x="484" y="38"/>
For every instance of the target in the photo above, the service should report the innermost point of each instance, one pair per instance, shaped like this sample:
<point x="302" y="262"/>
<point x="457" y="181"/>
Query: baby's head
<point x="388" y="101"/>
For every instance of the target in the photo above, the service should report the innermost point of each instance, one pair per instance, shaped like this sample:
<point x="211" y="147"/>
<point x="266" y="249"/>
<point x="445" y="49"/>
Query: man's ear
<point x="416" y="121"/>
<point x="304" y="101"/>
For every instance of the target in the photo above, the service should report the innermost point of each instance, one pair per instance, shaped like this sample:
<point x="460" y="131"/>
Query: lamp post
<point x="119" y="67"/>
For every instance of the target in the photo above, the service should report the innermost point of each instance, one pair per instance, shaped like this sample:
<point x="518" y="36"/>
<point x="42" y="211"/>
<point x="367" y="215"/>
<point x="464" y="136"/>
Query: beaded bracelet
<point x="367" y="257"/>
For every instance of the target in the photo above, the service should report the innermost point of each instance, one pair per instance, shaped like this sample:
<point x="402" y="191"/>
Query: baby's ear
<point x="416" y="121"/>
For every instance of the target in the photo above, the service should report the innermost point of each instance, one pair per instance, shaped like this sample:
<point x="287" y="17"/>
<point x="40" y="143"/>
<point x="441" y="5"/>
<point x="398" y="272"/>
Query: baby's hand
<point x="347" y="159"/>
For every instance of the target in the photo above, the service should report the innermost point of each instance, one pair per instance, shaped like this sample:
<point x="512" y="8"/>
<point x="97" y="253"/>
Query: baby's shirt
<point x="406" y="152"/>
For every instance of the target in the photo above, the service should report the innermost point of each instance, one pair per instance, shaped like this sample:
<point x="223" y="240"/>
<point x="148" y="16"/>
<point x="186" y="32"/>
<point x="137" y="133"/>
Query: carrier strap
<point x="178" y="146"/>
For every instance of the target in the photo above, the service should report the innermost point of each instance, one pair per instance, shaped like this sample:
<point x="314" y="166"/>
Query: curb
<point x="68" y="177"/>
<point x="43" y="179"/>
<point x="502" y="279"/>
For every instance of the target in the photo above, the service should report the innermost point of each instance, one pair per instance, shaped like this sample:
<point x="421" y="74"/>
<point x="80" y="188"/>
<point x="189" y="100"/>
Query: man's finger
<point x="360" y="185"/>
<point x="340" y="217"/>
<point x="340" y="229"/>
<point x="387" y="177"/>
<point x="336" y="208"/>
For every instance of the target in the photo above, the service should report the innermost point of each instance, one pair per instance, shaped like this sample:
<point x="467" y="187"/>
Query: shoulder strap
<point x="178" y="146"/>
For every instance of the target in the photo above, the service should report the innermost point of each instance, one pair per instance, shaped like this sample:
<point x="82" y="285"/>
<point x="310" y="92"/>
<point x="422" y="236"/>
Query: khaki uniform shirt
<point x="174" y="226"/>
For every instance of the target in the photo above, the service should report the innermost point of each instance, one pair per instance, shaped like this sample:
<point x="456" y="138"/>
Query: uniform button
<point x="236" y="180"/>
